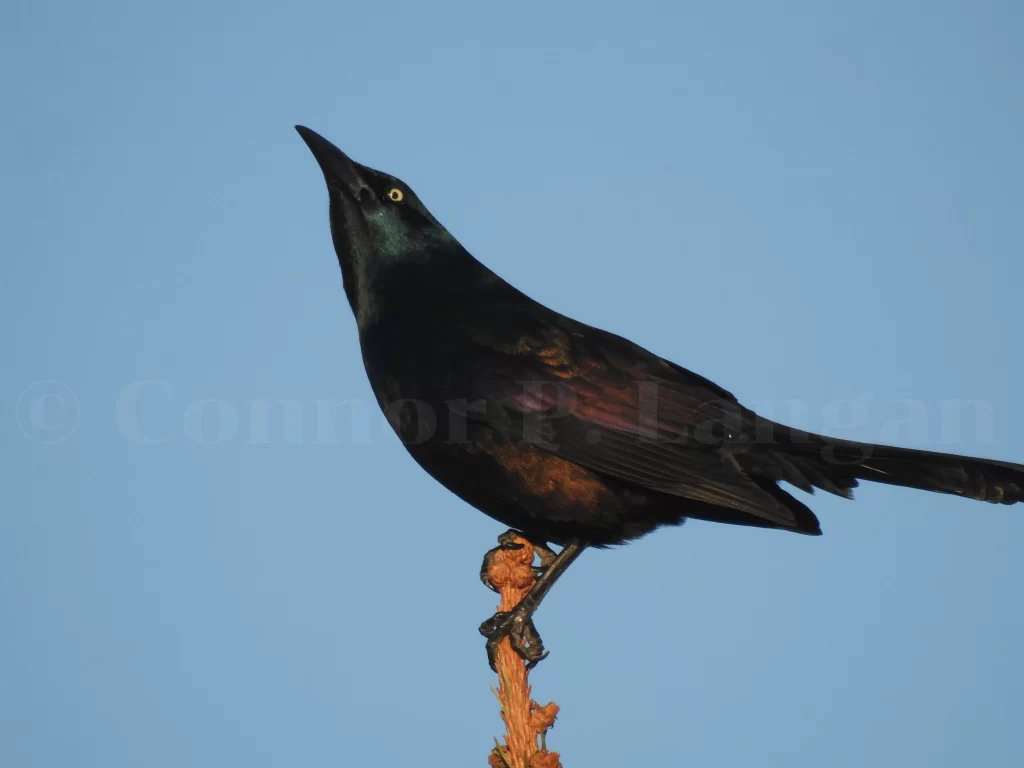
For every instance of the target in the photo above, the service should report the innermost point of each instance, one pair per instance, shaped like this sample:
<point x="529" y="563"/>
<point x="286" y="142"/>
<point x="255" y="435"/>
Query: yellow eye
<point x="395" y="195"/>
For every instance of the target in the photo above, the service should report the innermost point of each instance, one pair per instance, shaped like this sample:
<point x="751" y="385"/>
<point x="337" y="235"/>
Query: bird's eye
<point x="395" y="195"/>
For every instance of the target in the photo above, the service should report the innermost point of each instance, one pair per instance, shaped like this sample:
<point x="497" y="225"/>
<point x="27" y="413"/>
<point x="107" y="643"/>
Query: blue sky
<point x="803" y="202"/>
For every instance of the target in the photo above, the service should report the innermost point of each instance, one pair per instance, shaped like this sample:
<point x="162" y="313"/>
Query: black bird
<point x="565" y="432"/>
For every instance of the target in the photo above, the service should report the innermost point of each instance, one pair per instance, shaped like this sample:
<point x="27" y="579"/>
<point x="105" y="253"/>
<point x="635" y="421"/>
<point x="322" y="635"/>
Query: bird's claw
<point x="506" y="542"/>
<point x="522" y="635"/>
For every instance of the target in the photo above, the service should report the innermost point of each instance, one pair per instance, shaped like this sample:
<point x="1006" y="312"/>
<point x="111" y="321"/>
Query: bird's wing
<point x="604" y="403"/>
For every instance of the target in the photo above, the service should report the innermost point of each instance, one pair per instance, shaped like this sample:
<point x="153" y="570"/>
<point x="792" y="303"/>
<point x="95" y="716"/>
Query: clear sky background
<point x="799" y="200"/>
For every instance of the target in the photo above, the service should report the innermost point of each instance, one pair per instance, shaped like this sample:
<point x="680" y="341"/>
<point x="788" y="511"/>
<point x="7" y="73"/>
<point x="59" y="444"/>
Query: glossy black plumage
<point x="565" y="432"/>
<point x="437" y="327"/>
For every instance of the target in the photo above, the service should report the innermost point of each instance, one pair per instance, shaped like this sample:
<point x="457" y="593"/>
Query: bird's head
<point x="377" y="221"/>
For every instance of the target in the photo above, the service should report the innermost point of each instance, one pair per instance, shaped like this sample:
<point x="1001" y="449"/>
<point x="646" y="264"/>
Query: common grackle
<point x="565" y="432"/>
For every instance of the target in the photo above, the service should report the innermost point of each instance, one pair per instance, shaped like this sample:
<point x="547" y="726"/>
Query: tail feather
<point x="997" y="482"/>
<point x="834" y="465"/>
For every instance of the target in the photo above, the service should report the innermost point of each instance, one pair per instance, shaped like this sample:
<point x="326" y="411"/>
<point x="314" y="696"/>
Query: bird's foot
<point x="517" y="625"/>
<point x="507" y="541"/>
<point x="546" y="556"/>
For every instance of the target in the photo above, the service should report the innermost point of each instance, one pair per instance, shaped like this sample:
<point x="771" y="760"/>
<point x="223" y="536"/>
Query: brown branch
<point x="511" y="572"/>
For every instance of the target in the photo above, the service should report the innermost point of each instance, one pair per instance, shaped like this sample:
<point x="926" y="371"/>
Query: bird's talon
<point x="495" y="624"/>
<point x="507" y="540"/>
<point x="521" y="633"/>
<point x="535" y="661"/>
<point x="506" y="543"/>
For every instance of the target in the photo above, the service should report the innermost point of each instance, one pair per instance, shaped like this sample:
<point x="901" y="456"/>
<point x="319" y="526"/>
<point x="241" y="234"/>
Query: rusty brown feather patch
<point x="546" y="475"/>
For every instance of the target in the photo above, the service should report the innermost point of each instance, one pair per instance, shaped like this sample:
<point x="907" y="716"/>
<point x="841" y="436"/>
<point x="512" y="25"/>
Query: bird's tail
<point x="808" y="461"/>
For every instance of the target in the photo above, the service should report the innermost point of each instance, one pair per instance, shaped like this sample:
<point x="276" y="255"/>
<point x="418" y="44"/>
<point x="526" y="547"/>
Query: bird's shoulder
<point x="511" y="332"/>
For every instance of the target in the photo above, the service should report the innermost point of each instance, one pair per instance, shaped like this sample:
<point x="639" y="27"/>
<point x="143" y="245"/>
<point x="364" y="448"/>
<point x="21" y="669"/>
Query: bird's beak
<point x="339" y="170"/>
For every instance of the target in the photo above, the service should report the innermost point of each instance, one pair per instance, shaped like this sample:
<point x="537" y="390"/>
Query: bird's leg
<point x="547" y="557"/>
<point x="517" y="624"/>
<point x="507" y="541"/>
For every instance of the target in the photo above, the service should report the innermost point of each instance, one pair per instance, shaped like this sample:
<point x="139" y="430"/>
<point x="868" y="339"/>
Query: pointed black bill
<point x="338" y="169"/>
